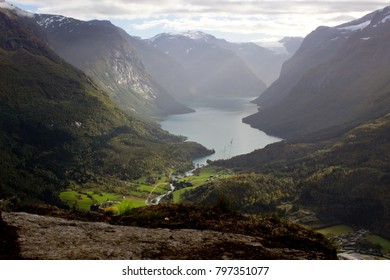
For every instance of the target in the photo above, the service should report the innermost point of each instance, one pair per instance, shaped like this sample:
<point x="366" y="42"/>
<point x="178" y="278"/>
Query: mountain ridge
<point x="336" y="78"/>
<point x="100" y="49"/>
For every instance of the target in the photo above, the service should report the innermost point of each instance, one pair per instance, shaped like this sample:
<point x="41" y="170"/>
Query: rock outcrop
<point x="54" y="238"/>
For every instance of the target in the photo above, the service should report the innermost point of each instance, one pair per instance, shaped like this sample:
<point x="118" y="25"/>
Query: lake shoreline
<point x="217" y="124"/>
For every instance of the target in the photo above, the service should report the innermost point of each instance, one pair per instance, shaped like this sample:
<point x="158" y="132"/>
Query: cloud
<point x="273" y="17"/>
<point x="145" y="8"/>
<point x="231" y="24"/>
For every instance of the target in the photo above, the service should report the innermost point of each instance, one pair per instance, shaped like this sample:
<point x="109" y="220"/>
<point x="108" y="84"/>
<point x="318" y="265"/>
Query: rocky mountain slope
<point x="102" y="51"/>
<point x="338" y="78"/>
<point x="165" y="69"/>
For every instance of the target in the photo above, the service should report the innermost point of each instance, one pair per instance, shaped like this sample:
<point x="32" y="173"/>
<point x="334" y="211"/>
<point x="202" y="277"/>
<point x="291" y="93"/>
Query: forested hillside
<point x="346" y="177"/>
<point x="58" y="126"/>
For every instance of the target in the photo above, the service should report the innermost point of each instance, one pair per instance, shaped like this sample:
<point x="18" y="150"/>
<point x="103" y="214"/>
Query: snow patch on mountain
<point x="193" y="35"/>
<point x="196" y="35"/>
<point x="387" y="17"/>
<point x="52" y="21"/>
<point x="356" y="27"/>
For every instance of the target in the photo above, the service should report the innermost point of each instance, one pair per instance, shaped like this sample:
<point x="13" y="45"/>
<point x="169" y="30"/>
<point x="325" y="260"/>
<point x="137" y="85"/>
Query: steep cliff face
<point x="165" y="69"/>
<point x="338" y="78"/>
<point x="102" y="51"/>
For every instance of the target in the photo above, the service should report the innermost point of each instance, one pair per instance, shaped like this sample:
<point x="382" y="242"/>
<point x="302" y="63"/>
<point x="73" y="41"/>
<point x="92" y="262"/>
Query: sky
<point x="237" y="21"/>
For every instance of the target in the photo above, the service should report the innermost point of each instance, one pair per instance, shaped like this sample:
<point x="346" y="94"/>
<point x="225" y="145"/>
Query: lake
<point x="217" y="124"/>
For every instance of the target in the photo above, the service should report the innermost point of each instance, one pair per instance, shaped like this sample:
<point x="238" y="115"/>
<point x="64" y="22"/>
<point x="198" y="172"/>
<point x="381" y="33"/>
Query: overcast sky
<point x="246" y="20"/>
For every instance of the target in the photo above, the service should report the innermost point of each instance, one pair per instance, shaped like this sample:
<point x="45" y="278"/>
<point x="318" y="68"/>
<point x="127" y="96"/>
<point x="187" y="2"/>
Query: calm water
<point x="217" y="124"/>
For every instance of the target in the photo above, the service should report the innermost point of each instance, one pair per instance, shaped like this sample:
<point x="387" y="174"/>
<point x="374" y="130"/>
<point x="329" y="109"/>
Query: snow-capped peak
<point x="54" y="21"/>
<point x="196" y="35"/>
<point x="47" y="21"/>
<point x="193" y="35"/>
<point x="373" y="19"/>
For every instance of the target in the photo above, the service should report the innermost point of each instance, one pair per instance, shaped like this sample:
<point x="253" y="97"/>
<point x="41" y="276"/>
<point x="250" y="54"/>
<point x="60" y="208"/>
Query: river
<point x="217" y="124"/>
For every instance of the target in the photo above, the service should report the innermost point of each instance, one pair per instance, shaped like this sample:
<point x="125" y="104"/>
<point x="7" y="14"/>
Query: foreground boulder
<point x="48" y="237"/>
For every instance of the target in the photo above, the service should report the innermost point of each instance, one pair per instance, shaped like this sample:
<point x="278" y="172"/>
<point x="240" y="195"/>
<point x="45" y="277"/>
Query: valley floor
<point x="352" y="243"/>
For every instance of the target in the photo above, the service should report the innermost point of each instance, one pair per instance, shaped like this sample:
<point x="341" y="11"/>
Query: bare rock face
<point x="45" y="237"/>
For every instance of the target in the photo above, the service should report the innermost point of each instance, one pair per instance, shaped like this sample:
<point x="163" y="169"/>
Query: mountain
<point x="265" y="63"/>
<point x="57" y="126"/>
<point x="291" y="44"/>
<point x="102" y="51"/>
<point x="337" y="79"/>
<point x="345" y="178"/>
<point x="214" y="70"/>
<point x="164" y="69"/>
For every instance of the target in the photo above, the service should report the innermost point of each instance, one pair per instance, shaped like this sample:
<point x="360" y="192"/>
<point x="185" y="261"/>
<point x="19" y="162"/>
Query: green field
<point x="384" y="243"/>
<point x="128" y="194"/>
<point x="199" y="178"/>
<point x="136" y="192"/>
<point x="126" y="205"/>
<point x="84" y="199"/>
<point x="205" y="174"/>
<point x="336" y="230"/>
<point x="345" y="229"/>
<point x="161" y="188"/>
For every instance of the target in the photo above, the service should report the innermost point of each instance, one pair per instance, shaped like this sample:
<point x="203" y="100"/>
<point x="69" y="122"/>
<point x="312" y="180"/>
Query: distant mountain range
<point x="216" y="71"/>
<point x="337" y="79"/>
<point x="150" y="77"/>
<point x="188" y="53"/>
<point x="215" y="67"/>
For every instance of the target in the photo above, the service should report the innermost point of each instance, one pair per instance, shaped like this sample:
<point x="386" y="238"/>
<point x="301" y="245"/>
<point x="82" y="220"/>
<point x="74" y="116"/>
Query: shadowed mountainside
<point x="338" y="78"/>
<point x="102" y="50"/>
